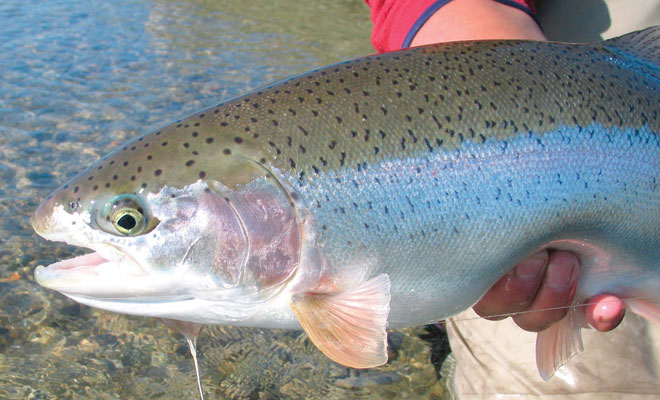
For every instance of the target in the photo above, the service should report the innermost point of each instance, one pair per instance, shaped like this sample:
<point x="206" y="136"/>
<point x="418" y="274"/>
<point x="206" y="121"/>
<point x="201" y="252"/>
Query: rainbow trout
<point x="388" y="191"/>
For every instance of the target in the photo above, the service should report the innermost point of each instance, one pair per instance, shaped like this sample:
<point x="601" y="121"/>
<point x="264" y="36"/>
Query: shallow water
<point x="79" y="78"/>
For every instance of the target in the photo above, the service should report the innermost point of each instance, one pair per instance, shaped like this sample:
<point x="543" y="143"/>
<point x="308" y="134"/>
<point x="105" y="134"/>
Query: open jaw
<point x="102" y="274"/>
<point x="52" y="275"/>
<point x="118" y="286"/>
<point x="90" y="260"/>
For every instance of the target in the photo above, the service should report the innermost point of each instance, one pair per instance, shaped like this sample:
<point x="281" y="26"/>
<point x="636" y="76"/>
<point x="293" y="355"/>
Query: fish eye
<point x="126" y="216"/>
<point x="128" y="221"/>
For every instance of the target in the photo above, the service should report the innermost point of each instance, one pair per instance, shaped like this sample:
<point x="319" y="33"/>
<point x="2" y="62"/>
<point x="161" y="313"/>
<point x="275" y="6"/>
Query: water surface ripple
<point x="79" y="78"/>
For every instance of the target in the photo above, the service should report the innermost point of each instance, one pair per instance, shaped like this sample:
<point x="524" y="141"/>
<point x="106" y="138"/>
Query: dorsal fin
<point x="640" y="49"/>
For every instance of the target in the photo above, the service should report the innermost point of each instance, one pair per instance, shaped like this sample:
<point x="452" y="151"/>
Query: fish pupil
<point x="127" y="222"/>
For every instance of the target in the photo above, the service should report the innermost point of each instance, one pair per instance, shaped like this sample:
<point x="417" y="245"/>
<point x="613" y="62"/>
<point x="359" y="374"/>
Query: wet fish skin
<point x="439" y="167"/>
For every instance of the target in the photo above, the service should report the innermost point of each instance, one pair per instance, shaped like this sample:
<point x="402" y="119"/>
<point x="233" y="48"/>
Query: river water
<point x="80" y="77"/>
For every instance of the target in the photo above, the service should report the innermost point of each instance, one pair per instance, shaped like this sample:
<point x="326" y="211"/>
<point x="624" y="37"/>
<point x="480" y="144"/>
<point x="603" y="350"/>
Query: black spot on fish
<point x="189" y="163"/>
<point x="238" y="140"/>
<point x="158" y="172"/>
<point x="226" y="151"/>
<point x="209" y="140"/>
<point x="202" y="174"/>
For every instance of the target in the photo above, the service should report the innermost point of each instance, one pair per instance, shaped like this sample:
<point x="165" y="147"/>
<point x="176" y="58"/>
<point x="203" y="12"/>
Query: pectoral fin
<point x="559" y="343"/>
<point x="647" y="308"/>
<point x="563" y="340"/>
<point x="350" y="326"/>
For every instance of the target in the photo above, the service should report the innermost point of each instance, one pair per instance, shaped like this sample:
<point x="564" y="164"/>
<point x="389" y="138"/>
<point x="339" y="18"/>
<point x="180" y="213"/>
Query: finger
<point x="515" y="290"/>
<point x="555" y="294"/>
<point x="605" y="312"/>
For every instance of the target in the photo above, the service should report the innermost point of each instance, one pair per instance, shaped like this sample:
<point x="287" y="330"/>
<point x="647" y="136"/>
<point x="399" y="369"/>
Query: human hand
<point x="543" y="286"/>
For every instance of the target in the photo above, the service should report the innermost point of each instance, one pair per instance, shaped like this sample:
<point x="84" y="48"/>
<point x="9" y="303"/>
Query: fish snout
<point x="42" y="218"/>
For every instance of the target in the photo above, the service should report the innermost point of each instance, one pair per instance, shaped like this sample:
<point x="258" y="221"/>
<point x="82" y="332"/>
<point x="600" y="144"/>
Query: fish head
<point x="170" y="229"/>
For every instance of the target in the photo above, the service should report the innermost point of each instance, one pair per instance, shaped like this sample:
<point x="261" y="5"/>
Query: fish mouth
<point x="117" y="286"/>
<point x="90" y="260"/>
<point x="56" y="276"/>
<point x="107" y="272"/>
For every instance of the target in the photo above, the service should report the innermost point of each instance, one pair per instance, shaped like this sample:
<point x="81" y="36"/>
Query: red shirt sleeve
<point x="397" y="21"/>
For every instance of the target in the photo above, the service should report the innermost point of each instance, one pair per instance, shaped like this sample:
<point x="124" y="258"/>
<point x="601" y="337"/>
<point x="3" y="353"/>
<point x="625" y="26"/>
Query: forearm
<point x="404" y="23"/>
<point x="477" y="19"/>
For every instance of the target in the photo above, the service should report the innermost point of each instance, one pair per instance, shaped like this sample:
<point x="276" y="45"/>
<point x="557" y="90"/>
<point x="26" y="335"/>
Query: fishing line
<point x="504" y="315"/>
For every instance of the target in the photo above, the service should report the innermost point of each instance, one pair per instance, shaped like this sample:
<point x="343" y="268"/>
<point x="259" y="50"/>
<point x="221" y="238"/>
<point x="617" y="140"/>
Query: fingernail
<point x="559" y="275"/>
<point x="532" y="267"/>
<point x="607" y="309"/>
